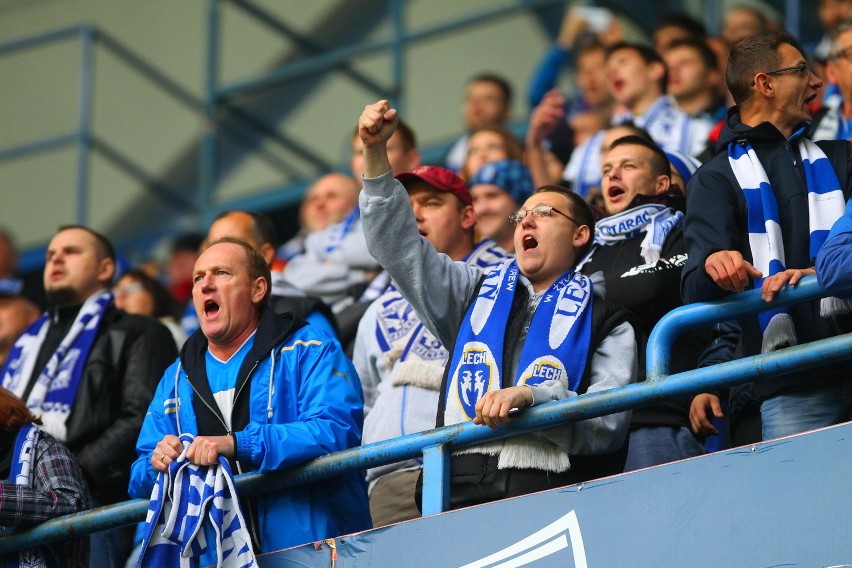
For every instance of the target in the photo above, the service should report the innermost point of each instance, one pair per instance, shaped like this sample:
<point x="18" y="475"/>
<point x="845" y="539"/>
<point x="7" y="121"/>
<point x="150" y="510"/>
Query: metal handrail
<point x="439" y="440"/>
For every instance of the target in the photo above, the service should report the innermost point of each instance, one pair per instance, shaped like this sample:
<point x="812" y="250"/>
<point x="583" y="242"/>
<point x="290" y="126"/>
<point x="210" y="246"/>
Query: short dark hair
<point x="751" y="56"/>
<point x="257" y="267"/>
<point x="579" y="210"/>
<point x="683" y="22"/>
<point x="262" y="228"/>
<point x="659" y="163"/>
<point x="501" y="82"/>
<point x="648" y="54"/>
<point x="103" y="247"/>
<point x="708" y="57"/>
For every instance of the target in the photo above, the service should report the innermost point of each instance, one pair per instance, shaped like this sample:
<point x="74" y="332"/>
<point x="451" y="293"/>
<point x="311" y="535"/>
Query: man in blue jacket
<point x="264" y="390"/>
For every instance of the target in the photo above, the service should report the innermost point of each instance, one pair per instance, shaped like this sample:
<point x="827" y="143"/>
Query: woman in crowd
<point x="137" y="293"/>
<point x="42" y="481"/>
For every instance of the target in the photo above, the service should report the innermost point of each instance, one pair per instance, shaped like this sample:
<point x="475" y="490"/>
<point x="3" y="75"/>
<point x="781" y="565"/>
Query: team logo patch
<point x="474" y="376"/>
<point x="542" y="369"/>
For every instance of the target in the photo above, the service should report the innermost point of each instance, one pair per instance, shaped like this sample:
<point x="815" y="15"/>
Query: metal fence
<point x="435" y="445"/>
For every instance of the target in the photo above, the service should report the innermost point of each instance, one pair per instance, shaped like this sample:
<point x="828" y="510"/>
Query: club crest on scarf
<point x="476" y="371"/>
<point x="545" y="368"/>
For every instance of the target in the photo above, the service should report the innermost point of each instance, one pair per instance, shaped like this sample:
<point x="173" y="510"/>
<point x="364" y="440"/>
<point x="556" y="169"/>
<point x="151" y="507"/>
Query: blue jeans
<point x="800" y="411"/>
<point x="656" y="445"/>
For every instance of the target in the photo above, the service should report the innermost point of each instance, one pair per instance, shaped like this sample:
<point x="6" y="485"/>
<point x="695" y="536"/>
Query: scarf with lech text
<point x="55" y="389"/>
<point x="656" y="221"/>
<point x="190" y="503"/>
<point x="826" y="204"/>
<point x="556" y="347"/>
<point x="418" y="357"/>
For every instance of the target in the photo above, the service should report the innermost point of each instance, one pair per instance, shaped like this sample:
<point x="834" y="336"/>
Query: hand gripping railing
<point x="434" y="445"/>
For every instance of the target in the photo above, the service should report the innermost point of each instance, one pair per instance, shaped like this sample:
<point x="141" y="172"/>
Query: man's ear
<point x="763" y="84"/>
<point x="267" y="251"/>
<point x="106" y="271"/>
<point x="663" y="184"/>
<point x="831" y="71"/>
<point x="581" y="237"/>
<point x="468" y="217"/>
<point x="258" y="289"/>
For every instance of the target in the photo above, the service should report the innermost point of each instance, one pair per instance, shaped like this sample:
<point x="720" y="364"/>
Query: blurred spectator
<point x="694" y="79"/>
<point x="677" y="27"/>
<point x="489" y="144"/>
<point x="179" y="266"/>
<point x="831" y="13"/>
<point x="18" y="310"/>
<point x="327" y="201"/>
<point x="90" y="369"/>
<point x="498" y="190"/>
<point x="403" y="153"/>
<point x="8" y="255"/>
<point x="834" y="120"/>
<point x="488" y="102"/>
<point x="741" y="22"/>
<point x="137" y="293"/>
<point x="41" y="481"/>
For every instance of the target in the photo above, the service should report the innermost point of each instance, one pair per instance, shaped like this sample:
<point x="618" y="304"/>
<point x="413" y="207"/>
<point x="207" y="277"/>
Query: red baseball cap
<point x="441" y="179"/>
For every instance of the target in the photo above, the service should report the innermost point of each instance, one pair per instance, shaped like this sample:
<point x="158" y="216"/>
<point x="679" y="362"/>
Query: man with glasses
<point x="528" y="332"/>
<point x="757" y="215"/>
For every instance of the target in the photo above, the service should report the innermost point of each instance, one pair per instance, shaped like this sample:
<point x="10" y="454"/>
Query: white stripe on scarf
<point x="186" y="500"/>
<point x="55" y="390"/>
<point x="826" y="204"/>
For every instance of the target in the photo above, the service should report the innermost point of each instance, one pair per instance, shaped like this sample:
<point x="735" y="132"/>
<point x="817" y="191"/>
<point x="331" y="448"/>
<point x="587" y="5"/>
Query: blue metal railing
<point x="434" y="445"/>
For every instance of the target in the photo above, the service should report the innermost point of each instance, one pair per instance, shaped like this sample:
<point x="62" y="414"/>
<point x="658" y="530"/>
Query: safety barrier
<point x="435" y="445"/>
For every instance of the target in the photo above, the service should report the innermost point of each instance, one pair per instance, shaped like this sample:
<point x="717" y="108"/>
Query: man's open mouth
<point x="530" y="242"/>
<point x="211" y="308"/>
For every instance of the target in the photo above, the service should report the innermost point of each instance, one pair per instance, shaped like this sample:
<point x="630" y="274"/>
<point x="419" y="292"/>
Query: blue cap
<point x="683" y="163"/>
<point x="509" y="175"/>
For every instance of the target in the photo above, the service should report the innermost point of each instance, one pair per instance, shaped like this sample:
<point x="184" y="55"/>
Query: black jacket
<point x="650" y="292"/>
<point x="716" y="219"/>
<point x="122" y="371"/>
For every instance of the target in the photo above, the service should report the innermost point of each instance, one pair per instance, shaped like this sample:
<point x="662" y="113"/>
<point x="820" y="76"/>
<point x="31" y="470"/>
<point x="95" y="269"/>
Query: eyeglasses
<point x="803" y="69"/>
<point x="538" y="211"/>
<point x="128" y="289"/>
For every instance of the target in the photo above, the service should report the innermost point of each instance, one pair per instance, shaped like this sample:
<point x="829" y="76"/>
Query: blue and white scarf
<point x="186" y="503"/>
<point x="656" y="221"/>
<point x="55" y="390"/>
<point x="22" y="473"/>
<point x="826" y="204"/>
<point x="556" y="347"/>
<point x="418" y="356"/>
<point x="833" y="125"/>
<point x="339" y="231"/>
<point x="670" y="127"/>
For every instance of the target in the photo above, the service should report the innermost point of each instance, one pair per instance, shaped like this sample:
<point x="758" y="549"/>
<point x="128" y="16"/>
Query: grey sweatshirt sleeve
<point x="438" y="288"/>
<point x="614" y="364"/>
<point x="364" y="357"/>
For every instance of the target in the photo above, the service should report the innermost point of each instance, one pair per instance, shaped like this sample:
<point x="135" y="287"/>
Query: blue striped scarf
<point x="826" y="204"/>
<point x="55" y="390"/>
<point x="556" y="347"/>
<point x="189" y="504"/>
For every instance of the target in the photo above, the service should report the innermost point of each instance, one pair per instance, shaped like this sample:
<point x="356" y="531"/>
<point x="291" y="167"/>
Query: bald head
<point x="328" y="201"/>
<point x="253" y="228"/>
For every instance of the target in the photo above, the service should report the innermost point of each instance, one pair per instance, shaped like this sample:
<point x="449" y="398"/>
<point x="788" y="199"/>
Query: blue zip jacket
<point x="297" y="398"/>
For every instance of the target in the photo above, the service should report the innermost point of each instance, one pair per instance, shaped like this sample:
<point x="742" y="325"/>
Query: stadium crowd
<point x="519" y="271"/>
